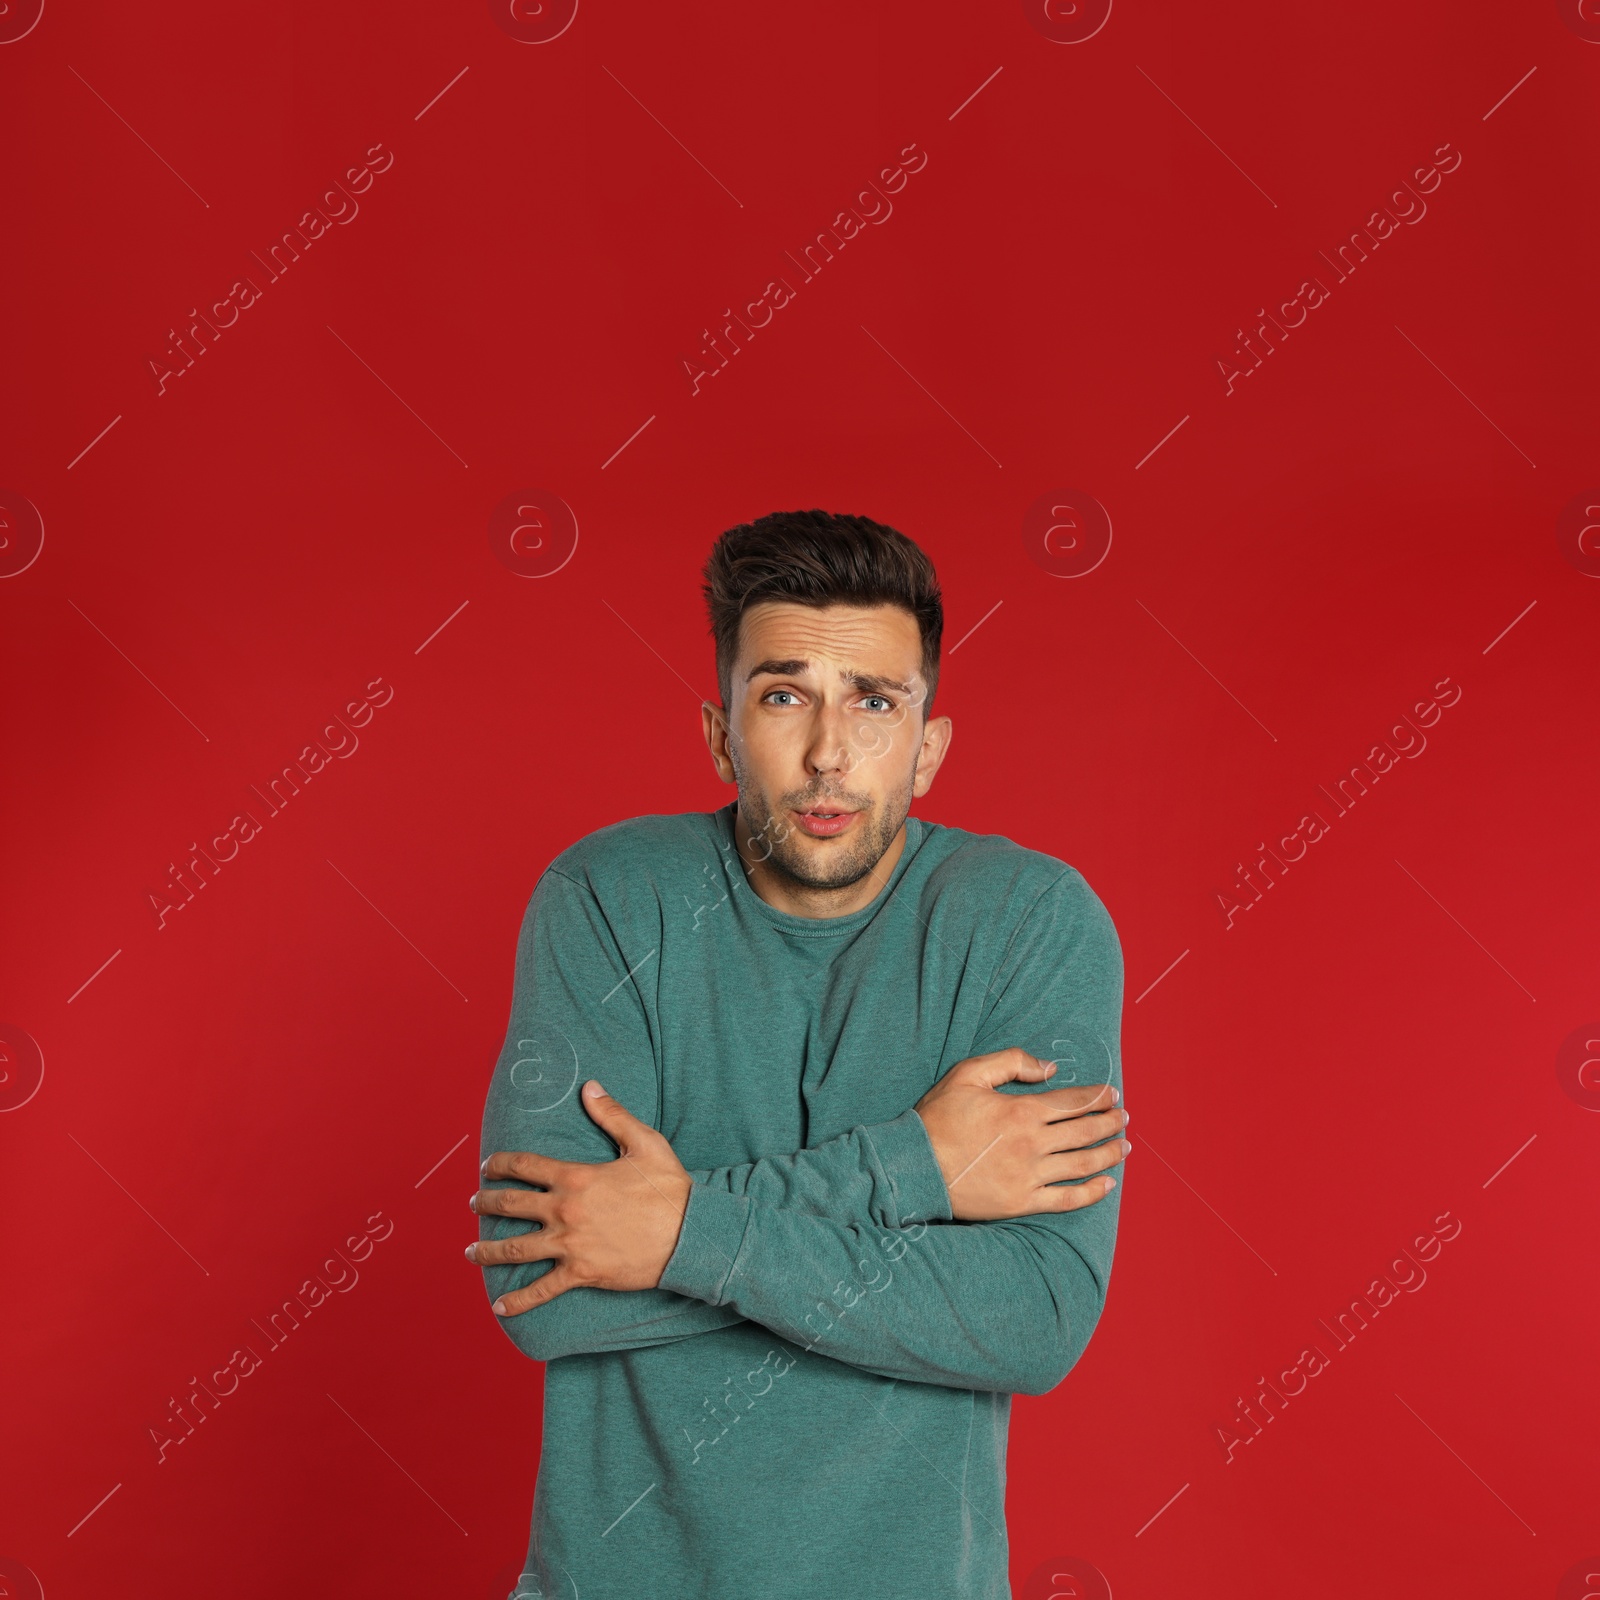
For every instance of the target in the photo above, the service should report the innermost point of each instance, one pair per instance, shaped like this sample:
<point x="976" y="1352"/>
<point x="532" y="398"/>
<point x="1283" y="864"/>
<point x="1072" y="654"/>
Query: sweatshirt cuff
<point x="714" y="1224"/>
<point x="906" y="1151"/>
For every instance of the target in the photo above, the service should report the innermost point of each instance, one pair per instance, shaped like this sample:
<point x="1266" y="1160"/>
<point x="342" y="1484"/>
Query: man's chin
<point x="822" y="870"/>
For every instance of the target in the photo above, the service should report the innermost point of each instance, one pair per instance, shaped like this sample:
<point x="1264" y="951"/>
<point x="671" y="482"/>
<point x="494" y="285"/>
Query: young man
<point x="813" y="1104"/>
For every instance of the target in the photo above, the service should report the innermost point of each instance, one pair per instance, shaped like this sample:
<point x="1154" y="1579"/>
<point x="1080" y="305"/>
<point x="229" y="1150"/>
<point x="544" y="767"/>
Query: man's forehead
<point x="867" y="637"/>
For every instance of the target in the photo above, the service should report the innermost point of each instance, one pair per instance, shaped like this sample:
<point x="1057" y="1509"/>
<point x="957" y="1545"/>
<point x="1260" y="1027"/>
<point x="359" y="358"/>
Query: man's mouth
<point x="824" y="821"/>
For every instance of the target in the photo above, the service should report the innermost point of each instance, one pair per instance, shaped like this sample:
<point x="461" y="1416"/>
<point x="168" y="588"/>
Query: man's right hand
<point x="999" y="1153"/>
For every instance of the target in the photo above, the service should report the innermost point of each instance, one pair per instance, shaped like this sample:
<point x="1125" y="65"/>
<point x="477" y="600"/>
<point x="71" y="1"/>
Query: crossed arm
<point x="831" y="1247"/>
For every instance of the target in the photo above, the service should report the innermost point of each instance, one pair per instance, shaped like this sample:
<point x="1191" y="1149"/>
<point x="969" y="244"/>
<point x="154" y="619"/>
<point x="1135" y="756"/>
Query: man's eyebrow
<point x="866" y="682"/>
<point x="875" y="683"/>
<point x="778" y="669"/>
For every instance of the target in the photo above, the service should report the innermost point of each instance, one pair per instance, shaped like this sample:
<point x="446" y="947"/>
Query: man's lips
<point x="825" y="821"/>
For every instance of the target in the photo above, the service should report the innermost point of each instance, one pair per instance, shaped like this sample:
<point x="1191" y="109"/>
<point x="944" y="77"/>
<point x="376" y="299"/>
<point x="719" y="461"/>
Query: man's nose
<point x="830" y="743"/>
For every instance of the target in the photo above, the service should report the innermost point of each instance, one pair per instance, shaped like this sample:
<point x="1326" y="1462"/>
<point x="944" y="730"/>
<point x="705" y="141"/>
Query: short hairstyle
<point x="819" y="558"/>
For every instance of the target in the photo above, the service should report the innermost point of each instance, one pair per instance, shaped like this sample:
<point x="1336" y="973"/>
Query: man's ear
<point x="936" y="736"/>
<point x="714" y="723"/>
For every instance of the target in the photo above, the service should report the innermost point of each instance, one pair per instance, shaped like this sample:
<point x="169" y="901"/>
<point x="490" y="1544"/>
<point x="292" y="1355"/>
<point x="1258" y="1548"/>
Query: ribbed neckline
<point x="813" y="927"/>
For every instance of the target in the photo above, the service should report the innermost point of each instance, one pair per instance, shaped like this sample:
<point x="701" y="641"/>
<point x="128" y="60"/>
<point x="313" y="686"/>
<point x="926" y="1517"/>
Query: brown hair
<point x="819" y="558"/>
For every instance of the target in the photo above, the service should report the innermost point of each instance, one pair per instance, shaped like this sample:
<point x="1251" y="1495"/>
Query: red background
<point x="309" y="1042"/>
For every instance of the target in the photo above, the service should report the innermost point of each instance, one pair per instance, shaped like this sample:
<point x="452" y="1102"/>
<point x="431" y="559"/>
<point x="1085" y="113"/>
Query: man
<point x="814" y="1105"/>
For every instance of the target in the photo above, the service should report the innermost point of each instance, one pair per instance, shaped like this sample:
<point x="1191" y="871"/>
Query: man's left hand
<point x="606" y="1224"/>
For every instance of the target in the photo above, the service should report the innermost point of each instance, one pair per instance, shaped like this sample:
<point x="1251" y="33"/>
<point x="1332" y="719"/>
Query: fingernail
<point x="592" y="1090"/>
<point x="1127" y="1145"/>
<point x="472" y="1201"/>
<point x="483" y="1168"/>
<point x="1111" y="1183"/>
<point x="1116" y="1095"/>
<point x="472" y="1252"/>
<point x="499" y="1308"/>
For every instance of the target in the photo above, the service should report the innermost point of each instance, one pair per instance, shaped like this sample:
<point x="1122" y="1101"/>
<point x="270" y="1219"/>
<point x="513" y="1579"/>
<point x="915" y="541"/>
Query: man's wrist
<point x="905" y="1149"/>
<point x="674" y="1193"/>
<point x="709" y="1243"/>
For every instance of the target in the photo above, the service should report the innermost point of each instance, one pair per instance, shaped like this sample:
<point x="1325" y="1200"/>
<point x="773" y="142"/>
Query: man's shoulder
<point x="1037" y="913"/>
<point x="637" y="849"/>
<point x="959" y="855"/>
<point x="998" y="875"/>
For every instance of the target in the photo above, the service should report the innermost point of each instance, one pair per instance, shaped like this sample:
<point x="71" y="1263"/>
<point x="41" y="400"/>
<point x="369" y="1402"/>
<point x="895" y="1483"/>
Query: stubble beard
<point x="848" y="861"/>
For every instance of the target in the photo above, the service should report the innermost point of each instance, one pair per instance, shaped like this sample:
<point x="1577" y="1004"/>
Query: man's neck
<point x="783" y="893"/>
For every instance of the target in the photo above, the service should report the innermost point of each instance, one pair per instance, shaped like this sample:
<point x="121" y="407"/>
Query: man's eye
<point x="772" y="692"/>
<point x="882" y="702"/>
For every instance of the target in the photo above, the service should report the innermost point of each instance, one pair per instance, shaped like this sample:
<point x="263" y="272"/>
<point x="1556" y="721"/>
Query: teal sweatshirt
<point x="814" y="1402"/>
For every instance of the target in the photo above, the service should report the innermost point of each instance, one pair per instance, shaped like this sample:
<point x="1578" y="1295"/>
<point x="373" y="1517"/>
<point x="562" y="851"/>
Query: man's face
<point x="826" y="737"/>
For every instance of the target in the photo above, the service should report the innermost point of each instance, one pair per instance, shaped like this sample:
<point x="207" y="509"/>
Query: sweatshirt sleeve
<point x="578" y="1011"/>
<point x="1006" y="1306"/>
